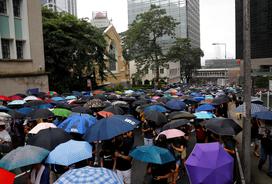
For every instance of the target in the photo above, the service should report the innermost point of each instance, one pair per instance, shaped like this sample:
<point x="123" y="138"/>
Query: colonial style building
<point x="22" y="63"/>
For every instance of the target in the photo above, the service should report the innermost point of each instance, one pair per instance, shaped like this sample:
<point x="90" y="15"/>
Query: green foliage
<point x="142" y="40"/>
<point x="72" y="49"/>
<point x="189" y="57"/>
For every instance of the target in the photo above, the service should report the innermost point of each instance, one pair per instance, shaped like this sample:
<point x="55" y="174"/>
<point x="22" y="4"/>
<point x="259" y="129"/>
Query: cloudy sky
<point x="217" y="22"/>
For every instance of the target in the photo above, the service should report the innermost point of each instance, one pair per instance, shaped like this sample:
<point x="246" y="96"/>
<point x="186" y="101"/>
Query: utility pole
<point x="247" y="92"/>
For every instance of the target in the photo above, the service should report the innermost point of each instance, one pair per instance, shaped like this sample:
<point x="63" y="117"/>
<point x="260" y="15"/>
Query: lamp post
<point x="225" y="45"/>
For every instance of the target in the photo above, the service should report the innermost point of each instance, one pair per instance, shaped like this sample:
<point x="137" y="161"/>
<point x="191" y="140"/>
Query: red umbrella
<point x="105" y="114"/>
<point x="4" y="98"/>
<point x="15" y="97"/>
<point x="6" y="177"/>
<point x="96" y="92"/>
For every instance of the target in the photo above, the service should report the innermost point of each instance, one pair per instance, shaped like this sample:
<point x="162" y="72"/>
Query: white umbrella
<point x="41" y="126"/>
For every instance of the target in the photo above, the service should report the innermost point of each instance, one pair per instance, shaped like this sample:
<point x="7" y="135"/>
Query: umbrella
<point x="172" y="133"/>
<point x="23" y="156"/>
<point x="220" y="100"/>
<point x="254" y="108"/>
<point x="51" y="93"/>
<point x="175" y="124"/>
<point x="110" y="127"/>
<point x="94" y="103"/>
<point x="40" y="114"/>
<point x="105" y="114"/>
<point x="41" y="126"/>
<point x="64" y="155"/>
<point x="78" y="123"/>
<point x="49" y="138"/>
<point x="199" y="98"/>
<point x="205" y="107"/>
<point x="204" y="115"/>
<point x="83" y="110"/>
<point x="157" y="117"/>
<point x="61" y="112"/>
<point x="4" y="108"/>
<point x="128" y="91"/>
<point x="223" y="126"/>
<point x="25" y="110"/>
<point x="15" y="97"/>
<point x="157" y="108"/>
<point x="209" y="163"/>
<point x="112" y="97"/>
<point x="264" y="115"/>
<point x="34" y="103"/>
<point x="114" y="109"/>
<point x="44" y="106"/>
<point x="163" y="100"/>
<point x="4" y="98"/>
<point x="6" y="177"/>
<point x="181" y="115"/>
<point x="71" y="97"/>
<point x="31" y="98"/>
<point x="16" y="115"/>
<point x="17" y="102"/>
<point x="175" y="105"/>
<point x="94" y="175"/>
<point x="96" y="92"/>
<point x="57" y="98"/>
<point x="119" y="103"/>
<point x="190" y="101"/>
<point x="152" y="154"/>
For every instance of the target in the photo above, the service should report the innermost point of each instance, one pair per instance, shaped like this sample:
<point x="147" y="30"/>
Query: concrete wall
<point x="13" y="85"/>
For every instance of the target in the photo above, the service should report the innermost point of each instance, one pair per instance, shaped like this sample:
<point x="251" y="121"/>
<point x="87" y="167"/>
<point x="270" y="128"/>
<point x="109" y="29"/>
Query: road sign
<point x="270" y="85"/>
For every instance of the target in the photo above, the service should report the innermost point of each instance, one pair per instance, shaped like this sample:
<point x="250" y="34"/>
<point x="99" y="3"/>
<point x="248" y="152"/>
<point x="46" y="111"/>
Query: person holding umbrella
<point x="148" y="133"/>
<point x="5" y="139"/>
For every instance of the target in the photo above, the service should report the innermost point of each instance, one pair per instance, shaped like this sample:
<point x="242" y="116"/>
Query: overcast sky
<point x="217" y="22"/>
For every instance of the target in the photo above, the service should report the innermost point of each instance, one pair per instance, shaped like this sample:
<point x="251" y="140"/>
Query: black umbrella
<point x="41" y="95"/>
<point x="220" y="100"/>
<point x="175" y="124"/>
<point x="34" y="103"/>
<point x="163" y="100"/>
<point x="49" y="138"/>
<point x="100" y="96"/>
<point x="84" y="99"/>
<point x="40" y="114"/>
<point x="139" y="102"/>
<point x="190" y="101"/>
<point x="223" y="126"/>
<point x="112" y="97"/>
<point x="157" y="117"/>
<point x="128" y="99"/>
<point x="82" y="110"/>
<point x="16" y="115"/>
<point x="65" y="106"/>
<point x="114" y="109"/>
<point x="181" y="115"/>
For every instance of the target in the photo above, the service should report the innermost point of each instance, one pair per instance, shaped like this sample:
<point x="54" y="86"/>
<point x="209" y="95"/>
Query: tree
<point x="189" y="57"/>
<point x="74" y="51"/>
<point x="143" y="41"/>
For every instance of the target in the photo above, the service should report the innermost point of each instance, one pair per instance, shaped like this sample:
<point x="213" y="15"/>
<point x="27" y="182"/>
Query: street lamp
<point x="225" y="45"/>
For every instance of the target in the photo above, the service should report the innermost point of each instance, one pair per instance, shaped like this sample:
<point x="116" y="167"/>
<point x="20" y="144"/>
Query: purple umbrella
<point x="209" y="163"/>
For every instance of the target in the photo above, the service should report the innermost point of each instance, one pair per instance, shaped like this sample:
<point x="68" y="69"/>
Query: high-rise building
<point x="22" y="63"/>
<point x="261" y="34"/>
<point x="69" y="6"/>
<point x="185" y="12"/>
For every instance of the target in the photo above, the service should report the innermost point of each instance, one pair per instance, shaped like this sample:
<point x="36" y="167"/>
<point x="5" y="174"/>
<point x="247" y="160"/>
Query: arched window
<point x="113" y="57"/>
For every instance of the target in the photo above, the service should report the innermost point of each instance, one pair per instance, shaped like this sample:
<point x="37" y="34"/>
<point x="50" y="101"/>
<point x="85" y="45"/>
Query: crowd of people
<point x="16" y="123"/>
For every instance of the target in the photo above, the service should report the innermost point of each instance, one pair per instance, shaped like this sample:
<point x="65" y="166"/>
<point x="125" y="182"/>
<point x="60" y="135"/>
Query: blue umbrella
<point x="175" y="105"/>
<point x="110" y="127"/>
<point x="64" y="155"/>
<point x="78" y="123"/>
<point x="264" y="115"/>
<point x="157" y="108"/>
<point x="254" y="108"/>
<point x="4" y="109"/>
<point x="152" y="154"/>
<point x="44" y="106"/>
<point x="94" y="175"/>
<point x="23" y="156"/>
<point x="199" y="98"/>
<point x="204" y="115"/>
<point x="70" y="97"/>
<point x="194" y="94"/>
<point x="57" y="98"/>
<point x="205" y="107"/>
<point x="25" y="110"/>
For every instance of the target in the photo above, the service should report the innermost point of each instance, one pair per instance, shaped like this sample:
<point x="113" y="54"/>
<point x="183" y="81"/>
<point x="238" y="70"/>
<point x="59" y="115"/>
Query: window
<point x="3" y="7"/>
<point x="20" y="49"/>
<point x="161" y="71"/>
<point x="5" y="49"/>
<point x="112" y="59"/>
<point x="17" y="8"/>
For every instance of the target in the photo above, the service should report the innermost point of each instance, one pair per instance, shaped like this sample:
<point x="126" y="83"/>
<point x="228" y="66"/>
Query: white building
<point x="69" y="6"/>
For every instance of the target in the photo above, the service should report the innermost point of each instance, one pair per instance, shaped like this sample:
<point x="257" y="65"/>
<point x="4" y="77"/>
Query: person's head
<point x="128" y="134"/>
<point x="161" y="141"/>
<point x="119" y="140"/>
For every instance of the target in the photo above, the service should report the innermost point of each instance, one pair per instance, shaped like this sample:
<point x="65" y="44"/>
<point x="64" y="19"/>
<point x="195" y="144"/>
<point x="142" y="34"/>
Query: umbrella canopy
<point x="6" y="177"/>
<point x="23" y="156"/>
<point x="96" y="92"/>
<point x="41" y="114"/>
<point x="71" y="97"/>
<point x="78" y="123"/>
<point x="15" y="97"/>
<point x="49" y="138"/>
<point x="16" y="102"/>
<point x="157" y="117"/>
<point x="119" y="102"/>
<point x="115" y="110"/>
<point x="105" y="114"/>
<point x="41" y="126"/>
<point x="61" y="112"/>
<point x="34" y="103"/>
<point x="110" y="127"/>
<point x="181" y="115"/>
<point x="175" y="105"/>
<point x="57" y="98"/>
<point x="254" y="108"/>
<point x="175" y="124"/>
<point x="190" y="101"/>
<point x="172" y="133"/>
<point x="31" y="98"/>
<point x="64" y="155"/>
<point x="158" y="108"/>
<point x="264" y="115"/>
<point x="205" y="107"/>
<point x="83" y="110"/>
<point x="25" y="110"/>
<point x="199" y="98"/>
<point x="209" y="163"/>
<point x="4" y="108"/>
<point x="84" y="175"/>
<point x="220" y="100"/>
<point x="16" y="115"/>
<point x="152" y="154"/>
<point x="94" y="103"/>
<point x="204" y="115"/>
<point x="4" y="98"/>
<point x="223" y="126"/>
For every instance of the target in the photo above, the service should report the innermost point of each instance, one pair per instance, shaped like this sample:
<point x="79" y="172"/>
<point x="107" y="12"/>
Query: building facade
<point x="186" y="13"/>
<point x="69" y="6"/>
<point x="22" y="63"/>
<point x="221" y="63"/>
<point x="261" y="35"/>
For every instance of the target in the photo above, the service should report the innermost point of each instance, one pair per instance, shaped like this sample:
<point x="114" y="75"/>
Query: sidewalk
<point x="258" y="177"/>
